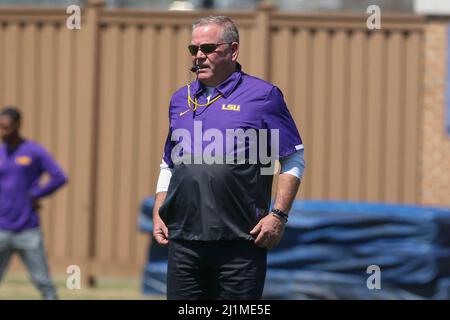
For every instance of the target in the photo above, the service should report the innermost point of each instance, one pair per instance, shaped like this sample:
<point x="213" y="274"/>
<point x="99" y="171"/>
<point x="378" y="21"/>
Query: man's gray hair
<point x="230" y="32"/>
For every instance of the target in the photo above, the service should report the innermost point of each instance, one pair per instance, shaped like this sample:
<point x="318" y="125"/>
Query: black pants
<point x="215" y="270"/>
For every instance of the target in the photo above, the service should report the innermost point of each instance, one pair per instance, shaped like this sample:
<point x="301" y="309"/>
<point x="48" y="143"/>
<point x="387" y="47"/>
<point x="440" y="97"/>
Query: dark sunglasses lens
<point x="205" y="48"/>
<point x="193" y="49"/>
<point x="208" y="47"/>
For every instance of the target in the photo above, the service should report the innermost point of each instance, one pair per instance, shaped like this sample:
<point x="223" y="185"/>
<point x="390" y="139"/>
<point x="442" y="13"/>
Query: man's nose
<point x="200" y="55"/>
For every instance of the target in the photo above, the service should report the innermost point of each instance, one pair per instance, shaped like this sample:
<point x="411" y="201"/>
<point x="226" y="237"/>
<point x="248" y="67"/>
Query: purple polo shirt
<point x="223" y="201"/>
<point x="20" y="172"/>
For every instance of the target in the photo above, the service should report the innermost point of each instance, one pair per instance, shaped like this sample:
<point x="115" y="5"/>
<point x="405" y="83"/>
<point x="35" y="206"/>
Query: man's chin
<point x="204" y="77"/>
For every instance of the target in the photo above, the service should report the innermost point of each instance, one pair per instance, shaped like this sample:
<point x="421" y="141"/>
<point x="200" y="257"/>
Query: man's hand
<point x="160" y="231"/>
<point x="268" y="231"/>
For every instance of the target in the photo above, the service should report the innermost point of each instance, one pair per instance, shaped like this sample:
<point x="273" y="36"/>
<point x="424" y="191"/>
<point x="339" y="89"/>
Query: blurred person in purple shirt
<point x="22" y="164"/>
<point x="215" y="215"/>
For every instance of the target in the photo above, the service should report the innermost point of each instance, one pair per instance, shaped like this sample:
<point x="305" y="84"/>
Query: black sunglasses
<point x="205" y="48"/>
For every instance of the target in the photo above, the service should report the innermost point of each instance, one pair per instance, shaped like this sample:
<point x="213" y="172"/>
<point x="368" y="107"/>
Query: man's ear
<point x="234" y="51"/>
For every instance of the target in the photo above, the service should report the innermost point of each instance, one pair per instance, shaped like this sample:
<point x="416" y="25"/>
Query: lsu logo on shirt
<point x="232" y="107"/>
<point x="23" y="161"/>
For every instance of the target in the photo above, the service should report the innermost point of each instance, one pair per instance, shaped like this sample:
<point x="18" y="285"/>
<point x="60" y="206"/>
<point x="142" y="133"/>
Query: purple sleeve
<point x="57" y="176"/>
<point x="168" y="146"/>
<point x="168" y="150"/>
<point x="276" y="115"/>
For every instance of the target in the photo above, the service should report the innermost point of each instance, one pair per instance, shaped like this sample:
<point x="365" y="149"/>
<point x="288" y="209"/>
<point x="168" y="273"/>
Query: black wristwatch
<point x="280" y="214"/>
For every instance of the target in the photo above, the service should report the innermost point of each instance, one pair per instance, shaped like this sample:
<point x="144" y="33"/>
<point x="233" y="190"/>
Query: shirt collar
<point x="226" y="87"/>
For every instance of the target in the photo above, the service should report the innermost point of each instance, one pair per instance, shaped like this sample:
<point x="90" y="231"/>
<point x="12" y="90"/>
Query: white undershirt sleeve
<point x="165" y="174"/>
<point x="294" y="164"/>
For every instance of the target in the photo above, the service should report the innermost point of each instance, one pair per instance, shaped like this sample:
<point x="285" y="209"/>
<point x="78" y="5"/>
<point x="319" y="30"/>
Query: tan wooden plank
<point x="301" y="108"/>
<point x="46" y="116"/>
<point x="373" y="147"/>
<point x="11" y="64"/>
<point x="355" y="117"/>
<point x="318" y="140"/>
<point x="63" y="147"/>
<point x="338" y="111"/>
<point x="148" y="158"/>
<point x="183" y="59"/>
<point x="83" y="148"/>
<point x="107" y="167"/>
<point x="281" y="61"/>
<point x="127" y="144"/>
<point x="252" y="67"/>
<point x="393" y="119"/>
<point x="261" y="46"/>
<point x="164" y="67"/>
<point x="412" y="144"/>
<point x="244" y="48"/>
<point x="2" y="63"/>
<point x="29" y="79"/>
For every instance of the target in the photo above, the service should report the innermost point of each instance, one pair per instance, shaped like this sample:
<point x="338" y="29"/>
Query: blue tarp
<point x="328" y="246"/>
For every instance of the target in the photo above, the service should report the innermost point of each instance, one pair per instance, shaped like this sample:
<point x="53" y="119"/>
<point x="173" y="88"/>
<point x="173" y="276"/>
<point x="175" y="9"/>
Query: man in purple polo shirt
<point x="22" y="164"/>
<point x="212" y="204"/>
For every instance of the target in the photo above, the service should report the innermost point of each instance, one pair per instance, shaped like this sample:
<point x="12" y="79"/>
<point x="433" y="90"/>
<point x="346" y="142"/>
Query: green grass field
<point x="17" y="286"/>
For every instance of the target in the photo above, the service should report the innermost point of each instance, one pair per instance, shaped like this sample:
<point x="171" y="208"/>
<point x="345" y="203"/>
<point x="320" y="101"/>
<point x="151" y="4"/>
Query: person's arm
<point x="270" y="229"/>
<point x="276" y="116"/>
<point x="160" y="232"/>
<point x="57" y="177"/>
<point x="291" y="173"/>
<point x="287" y="189"/>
